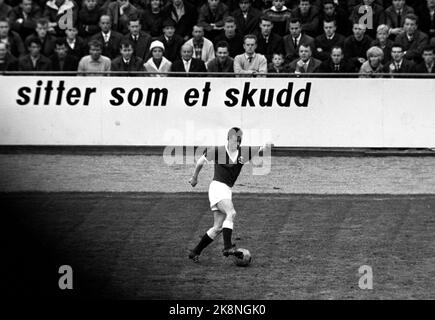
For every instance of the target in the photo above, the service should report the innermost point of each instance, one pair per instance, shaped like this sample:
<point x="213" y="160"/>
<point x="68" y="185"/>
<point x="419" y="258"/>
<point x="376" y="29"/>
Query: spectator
<point x="278" y="64"/>
<point x="127" y="60"/>
<point x="62" y="60"/>
<point x="203" y="48"/>
<point x="250" y="62"/>
<point x="55" y="9"/>
<point x="426" y="14"/>
<point x="140" y="39"/>
<point x="280" y="16"/>
<point x="171" y="40"/>
<point x="88" y="18"/>
<point x="309" y="17"/>
<point x="328" y="40"/>
<point x="7" y="61"/>
<point x="187" y="63"/>
<point x="229" y="35"/>
<point x="295" y="39"/>
<point x="153" y="17"/>
<point x="336" y="63"/>
<point x="247" y="18"/>
<point x="395" y="17"/>
<point x="268" y="42"/>
<point x="157" y="62"/>
<point x="305" y="63"/>
<point x="48" y="40"/>
<point x="185" y="17"/>
<point x="223" y="62"/>
<point x="95" y="61"/>
<point x="34" y="60"/>
<point x="120" y="12"/>
<point x="428" y="63"/>
<point x="23" y="18"/>
<point x="211" y="17"/>
<point x="398" y="64"/>
<point x="332" y="12"/>
<point x="5" y="9"/>
<point x="76" y="45"/>
<point x="368" y="13"/>
<point x="412" y="40"/>
<point x="373" y="65"/>
<point x="356" y="46"/>
<point x="108" y="38"/>
<point x="11" y="38"/>
<point x="383" y="42"/>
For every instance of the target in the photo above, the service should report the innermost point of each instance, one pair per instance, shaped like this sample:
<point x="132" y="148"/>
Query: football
<point x="244" y="260"/>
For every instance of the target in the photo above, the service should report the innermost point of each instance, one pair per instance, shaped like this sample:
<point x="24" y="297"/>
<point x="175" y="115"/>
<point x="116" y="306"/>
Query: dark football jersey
<point x="225" y="170"/>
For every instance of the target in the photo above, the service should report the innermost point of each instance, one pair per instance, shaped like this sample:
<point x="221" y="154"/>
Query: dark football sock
<point x="205" y="241"/>
<point x="226" y="233"/>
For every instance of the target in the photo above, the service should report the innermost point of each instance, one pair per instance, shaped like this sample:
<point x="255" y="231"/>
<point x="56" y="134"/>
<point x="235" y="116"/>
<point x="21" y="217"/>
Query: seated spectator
<point x="5" y="9"/>
<point x="373" y="65"/>
<point x="203" y="48"/>
<point x="428" y="63"/>
<point x="327" y="40"/>
<point x="369" y="13"/>
<point x="278" y="64"/>
<point x="94" y="62"/>
<point x="140" y="39"/>
<point x="295" y="39"/>
<point x="108" y="38"/>
<point x="76" y="45"/>
<point x="7" y="61"/>
<point x="185" y="17"/>
<point x="356" y="46"/>
<point x="247" y="17"/>
<point x="120" y="12"/>
<point x="157" y="62"/>
<point x="11" y="38"/>
<point x="280" y="16"/>
<point x="229" y="35"/>
<point x="187" y="63"/>
<point x="88" y="18"/>
<point x="127" y="60"/>
<point x="250" y="62"/>
<point x="62" y="60"/>
<point x="398" y="64"/>
<point x="153" y="17"/>
<point x="336" y="63"/>
<point x="171" y="40"/>
<point x="223" y="62"/>
<point x="23" y="18"/>
<point x="383" y="42"/>
<point x="426" y="13"/>
<point x="55" y="9"/>
<point x="305" y="63"/>
<point x="309" y="17"/>
<point x="48" y="40"/>
<point x="395" y="17"/>
<point x="211" y="17"/>
<point x="34" y="60"/>
<point x="268" y="42"/>
<point x="332" y="12"/>
<point x="412" y="40"/>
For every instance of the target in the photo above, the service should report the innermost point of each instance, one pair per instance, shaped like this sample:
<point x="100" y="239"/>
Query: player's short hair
<point x="235" y="131"/>
<point x="398" y="45"/>
<point x="250" y="36"/>
<point x="412" y="16"/>
<point x="222" y="44"/>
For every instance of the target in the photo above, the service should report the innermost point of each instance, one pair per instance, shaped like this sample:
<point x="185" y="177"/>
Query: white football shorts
<point x="218" y="191"/>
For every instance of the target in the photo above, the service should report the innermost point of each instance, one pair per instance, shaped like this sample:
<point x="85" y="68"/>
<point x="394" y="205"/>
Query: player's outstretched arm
<point x="201" y="161"/>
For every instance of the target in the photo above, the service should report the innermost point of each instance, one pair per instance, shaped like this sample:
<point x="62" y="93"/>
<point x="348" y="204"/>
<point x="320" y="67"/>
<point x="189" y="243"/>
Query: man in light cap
<point x="157" y="62"/>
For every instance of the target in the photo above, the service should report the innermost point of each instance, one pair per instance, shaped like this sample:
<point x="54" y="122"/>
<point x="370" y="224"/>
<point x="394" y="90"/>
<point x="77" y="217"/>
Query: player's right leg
<point x="209" y="236"/>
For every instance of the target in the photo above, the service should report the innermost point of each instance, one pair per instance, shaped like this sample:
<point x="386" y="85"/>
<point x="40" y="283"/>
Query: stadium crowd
<point x="369" y="37"/>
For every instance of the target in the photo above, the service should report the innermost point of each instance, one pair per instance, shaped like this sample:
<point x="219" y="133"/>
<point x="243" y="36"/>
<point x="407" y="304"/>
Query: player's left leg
<point x="209" y="236"/>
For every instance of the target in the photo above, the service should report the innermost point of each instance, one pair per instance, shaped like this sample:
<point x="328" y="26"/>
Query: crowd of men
<point x="369" y="37"/>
